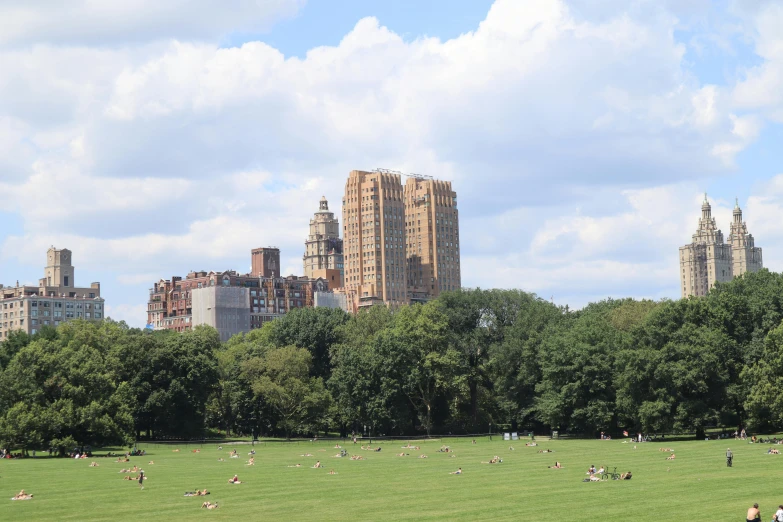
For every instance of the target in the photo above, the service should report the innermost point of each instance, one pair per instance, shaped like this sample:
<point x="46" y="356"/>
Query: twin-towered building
<point x="708" y="259"/>
<point x="401" y="243"/>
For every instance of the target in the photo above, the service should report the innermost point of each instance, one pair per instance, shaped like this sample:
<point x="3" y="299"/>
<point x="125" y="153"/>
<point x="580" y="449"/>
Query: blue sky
<point x="155" y="138"/>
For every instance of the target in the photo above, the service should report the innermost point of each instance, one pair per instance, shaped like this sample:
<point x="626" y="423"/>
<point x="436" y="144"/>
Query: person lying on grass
<point x="592" y="478"/>
<point x="93" y="464"/>
<point x="357" y="457"/>
<point x="625" y="476"/>
<point x="531" y="444"/>
<point x="209" y="505"/>
<point x="458" y="472"/>
<point x="670" y="457"/>
<point x="22" y="496"/>
<point x="197" y="493"/>
<point x="773" y="451"/>
<point x="297" y="466"/>
<point x="234" y="480"/>
<point x="422" y="456"/>
<point x="546" y="451"/>
<point x="402" y="454"/>
<point x="309" y="454"/>
<point x="494" y="460"/>
<point x="556" y="466"/>
<point x="332" y="472"/>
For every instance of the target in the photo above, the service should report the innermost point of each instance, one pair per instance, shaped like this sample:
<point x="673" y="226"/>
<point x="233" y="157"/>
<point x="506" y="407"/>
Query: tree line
<point x="457" y="364"/>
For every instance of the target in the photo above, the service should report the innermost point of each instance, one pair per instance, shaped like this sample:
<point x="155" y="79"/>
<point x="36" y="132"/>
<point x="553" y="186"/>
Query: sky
<point x="155" y="138"/>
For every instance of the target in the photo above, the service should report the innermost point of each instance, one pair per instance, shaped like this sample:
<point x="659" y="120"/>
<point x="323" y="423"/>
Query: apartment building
<point x="179" y="303"/>
<point x="323" y="257"/>
<point x="53" y="301"/>
<point x="431" y="238"/>
<point x="708" y="259"/>
<point x="374" y="238"/>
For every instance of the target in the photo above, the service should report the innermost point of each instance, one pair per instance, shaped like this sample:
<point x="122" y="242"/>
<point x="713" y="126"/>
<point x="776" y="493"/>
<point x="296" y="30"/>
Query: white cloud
<point x="762" y="87"/>
<point x="120" y="21"/>
<point x="157" y="151"/>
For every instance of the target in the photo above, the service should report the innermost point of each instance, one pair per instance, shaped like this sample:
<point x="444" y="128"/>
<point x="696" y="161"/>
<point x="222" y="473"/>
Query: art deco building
<point x="323" y="255"/>
<point x="374" y="238"/>
<point x="55" y="300"/>
<point x="707" y="259"/>
<point x="432" y="237"/>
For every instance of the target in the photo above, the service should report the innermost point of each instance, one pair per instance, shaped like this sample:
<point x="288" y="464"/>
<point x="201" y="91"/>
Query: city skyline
<point x="580" y="136"/>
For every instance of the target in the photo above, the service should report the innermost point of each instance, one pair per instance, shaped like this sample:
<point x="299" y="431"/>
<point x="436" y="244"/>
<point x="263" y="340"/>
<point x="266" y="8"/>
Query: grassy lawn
<point x="696" y="486"/>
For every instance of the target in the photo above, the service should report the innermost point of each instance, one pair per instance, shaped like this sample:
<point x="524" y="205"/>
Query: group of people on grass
<point x="754" y="514"/>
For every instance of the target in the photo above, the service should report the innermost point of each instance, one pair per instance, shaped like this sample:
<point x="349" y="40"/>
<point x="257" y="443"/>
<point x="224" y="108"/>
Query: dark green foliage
<point x="456" y="364"/>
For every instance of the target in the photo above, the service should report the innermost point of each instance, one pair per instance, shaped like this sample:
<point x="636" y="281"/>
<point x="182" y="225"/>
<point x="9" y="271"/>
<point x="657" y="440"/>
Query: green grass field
<point x="696" y="486"/>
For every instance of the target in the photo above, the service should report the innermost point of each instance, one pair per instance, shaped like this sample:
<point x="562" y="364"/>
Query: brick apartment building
<point x="213" y="298"/>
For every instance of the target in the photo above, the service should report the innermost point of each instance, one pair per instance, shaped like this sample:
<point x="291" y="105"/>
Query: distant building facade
<point x="176" y="303"/>
<point x="265" y="262"/>
<point x="374" y="238"/>
<point x="708" y="259"/>
<point x="323" y="257"/>
<point x="53" y="301"/>
<point x="225" y="308"/>
<point x="432" y="238"/>
<point x="401" y="243"/>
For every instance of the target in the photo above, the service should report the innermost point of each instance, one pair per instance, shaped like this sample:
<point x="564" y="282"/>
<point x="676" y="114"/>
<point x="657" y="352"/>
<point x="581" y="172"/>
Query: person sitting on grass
<point x="556" y="466"/>
<point x="317" y="465"/>
<point x="402" y="454"/>
<point x="93" y="464"/>
<point x="590" y="470"/>
<point x="671" y="457"/>
<point x="221" y="460"/>
<point x="773" y="451"/>
<point x="252" y="461"/>
<point x="234" y="480"/>
<point x="625" y="476"/>
<point x="531" y="444"/>
<point x="203" y="493"/>
<point x="423" y="456"/>
<point x="22" y="496"/>
<point x="332" y="472"/>
<point x="458" y="472"/>
<point x="754" y="515"/>
<point x="209" y="505"/>
<point x="152" y="462"/>
<point x="511" y="448"/>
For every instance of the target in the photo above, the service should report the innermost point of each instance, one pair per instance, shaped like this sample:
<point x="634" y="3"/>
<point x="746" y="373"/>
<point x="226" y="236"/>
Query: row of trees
<point x="456" y="364"/>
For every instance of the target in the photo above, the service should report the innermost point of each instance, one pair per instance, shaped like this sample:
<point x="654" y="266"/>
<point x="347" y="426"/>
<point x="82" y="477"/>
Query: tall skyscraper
<point x="374" y="237"/>
<point x="432" y="237"/>
<point x="323" y="255"/>
<point x="745" y="255"/>
<point x="707" y="259"/>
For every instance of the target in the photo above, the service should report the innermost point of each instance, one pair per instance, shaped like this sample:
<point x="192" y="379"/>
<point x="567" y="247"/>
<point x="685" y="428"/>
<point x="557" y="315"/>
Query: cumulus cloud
<point x="578" y="134"/>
